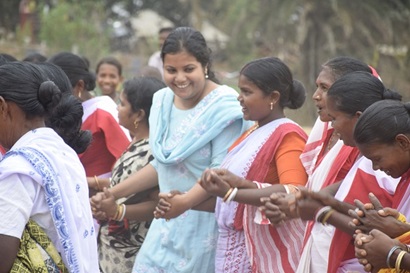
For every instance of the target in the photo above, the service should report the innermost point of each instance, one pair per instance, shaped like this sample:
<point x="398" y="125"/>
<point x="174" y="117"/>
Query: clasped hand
<point x="216" y="182"/>
<point x="103" y="205"/>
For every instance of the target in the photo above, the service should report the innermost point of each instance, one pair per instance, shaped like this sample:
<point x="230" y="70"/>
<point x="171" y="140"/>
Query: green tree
<point x="78" y="28"/>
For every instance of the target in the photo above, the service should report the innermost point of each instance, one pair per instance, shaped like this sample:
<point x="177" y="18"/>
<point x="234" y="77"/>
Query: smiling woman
<point x="192" y="123"/>
<point x="382" y="134"/>
<point x="269" y="151"/>
<point x="109" y="77"/>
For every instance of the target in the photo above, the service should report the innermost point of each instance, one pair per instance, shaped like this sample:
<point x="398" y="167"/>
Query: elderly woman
<point x="41" y="178"/>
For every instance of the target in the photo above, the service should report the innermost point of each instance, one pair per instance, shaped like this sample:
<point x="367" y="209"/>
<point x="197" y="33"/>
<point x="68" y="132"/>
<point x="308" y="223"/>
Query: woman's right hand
<point x="306" y="206"/>
<point x="374" y="248"/>
<point x="167" y="206"/>
<point x="104" y="202"/>
<point x="95" y="202"/>
<point x="213" y="183"/>
<point x="279" y="207"/>
<point x="233" y="180"/>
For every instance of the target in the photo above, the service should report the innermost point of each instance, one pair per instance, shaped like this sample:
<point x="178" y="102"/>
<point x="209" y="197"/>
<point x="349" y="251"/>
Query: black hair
<point x="271" y="74"/>
<point x="343" y="65"/>
<point x="3" y="60"/>
<point x="382" y="122"/>
<point x="24" y="84"/>
<point x="57" y="75"/>
<point x="149" y="71"/>
<point x="193" y="42"/>
<point x="66" y="120"/>
<point x="165" y="29"/>
<point x="112" y="61"/>
<point x="139" y="92"/>
<point x="75" y="68"/>
<point x="66" y="117"/>
<point x="35" y="58"/>
<point x="8" y="57"/>
<point x="358" y="90"/>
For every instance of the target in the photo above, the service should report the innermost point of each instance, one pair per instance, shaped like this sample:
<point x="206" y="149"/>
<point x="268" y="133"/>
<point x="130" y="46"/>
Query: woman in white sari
<point x="41" y="177"/>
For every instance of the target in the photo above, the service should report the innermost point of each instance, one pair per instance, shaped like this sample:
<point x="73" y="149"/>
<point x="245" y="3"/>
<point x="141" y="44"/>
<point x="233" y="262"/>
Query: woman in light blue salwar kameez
<point x="193" y="122"/>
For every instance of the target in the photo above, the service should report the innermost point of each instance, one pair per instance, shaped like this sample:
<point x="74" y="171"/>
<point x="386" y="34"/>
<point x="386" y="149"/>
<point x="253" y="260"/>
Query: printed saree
<point x="37" y="253"/>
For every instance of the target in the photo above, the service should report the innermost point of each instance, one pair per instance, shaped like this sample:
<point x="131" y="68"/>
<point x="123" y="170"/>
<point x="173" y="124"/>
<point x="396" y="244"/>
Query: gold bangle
<point x="227" y="194"/>
<point x="399" y="259"/>
<point x="117" y="213"/>
<point x="327" y="216"/>
<point x="97" y="182"/>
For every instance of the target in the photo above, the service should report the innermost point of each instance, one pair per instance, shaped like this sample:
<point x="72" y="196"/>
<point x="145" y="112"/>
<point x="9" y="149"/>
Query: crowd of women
<point x="185" y="174"/>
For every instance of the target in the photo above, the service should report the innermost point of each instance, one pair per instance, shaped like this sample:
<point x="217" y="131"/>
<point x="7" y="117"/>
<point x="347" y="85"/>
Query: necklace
<point x="252" y="129"/>
<point x="332" y="141"/>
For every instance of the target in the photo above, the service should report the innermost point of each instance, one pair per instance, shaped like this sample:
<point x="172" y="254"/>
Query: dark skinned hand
<point x="279" y="207"/>
<point x="211" y="180"/>
<point x="374" y="216"/>
<point x="372" y="249"/>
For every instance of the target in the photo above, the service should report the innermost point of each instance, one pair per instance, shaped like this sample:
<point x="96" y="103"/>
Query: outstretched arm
<point x="142" y="180"/>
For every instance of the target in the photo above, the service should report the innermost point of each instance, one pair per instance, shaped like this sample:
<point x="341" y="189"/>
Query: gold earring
<point x="136" y="124"/>
<point x="271" y="106"/>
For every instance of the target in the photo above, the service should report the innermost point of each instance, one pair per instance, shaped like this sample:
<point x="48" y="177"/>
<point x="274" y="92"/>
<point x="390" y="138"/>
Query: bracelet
<point x="124" y="208"/>
<point x="97" y="182"/>
<point x="399" y="259"/>
<point x="319" y="214"/>
<point x="291" y="189"/>
<point x="392" y="250"/>
<point x="227" y="194"/>
<point x="119" y="214"/>
<point x="327" y="216"/>
<point x="286" y="189"/>
<point x="232" y="195"/>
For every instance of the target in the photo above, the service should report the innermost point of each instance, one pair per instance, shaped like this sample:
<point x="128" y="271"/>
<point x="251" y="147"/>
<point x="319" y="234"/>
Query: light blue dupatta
<point x="209" y="118"/>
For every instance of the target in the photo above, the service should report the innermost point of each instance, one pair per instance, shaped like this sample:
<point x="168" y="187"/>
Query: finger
<point x="271" y="206"/>
<point x="363" y="261"/>
<point x="162" y="195"/>
<point x="358" y="242"/>
<point x="264" y="199"/>
<point x="353" y="213"/>
<point x="302" y="193"/>
<point x="221" y="172"/>
<point x="205" y="174"/>
<point x="389" y="212"/>
<point x="173" y="193"/>
<point x="376" y="203"/>
<point x="362" y="253"/>
<point x="369" y="206"/>
<point x="359" y="204"/>
<point x="352" y="224"/>
<point x="274" y="196"/>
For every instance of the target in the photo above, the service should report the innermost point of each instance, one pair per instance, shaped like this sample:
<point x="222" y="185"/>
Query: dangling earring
<point x="79" y="94"/>
<point x="206" y="73"/>
<point x="271" y="106"/>
<point x="136" y="124"/>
